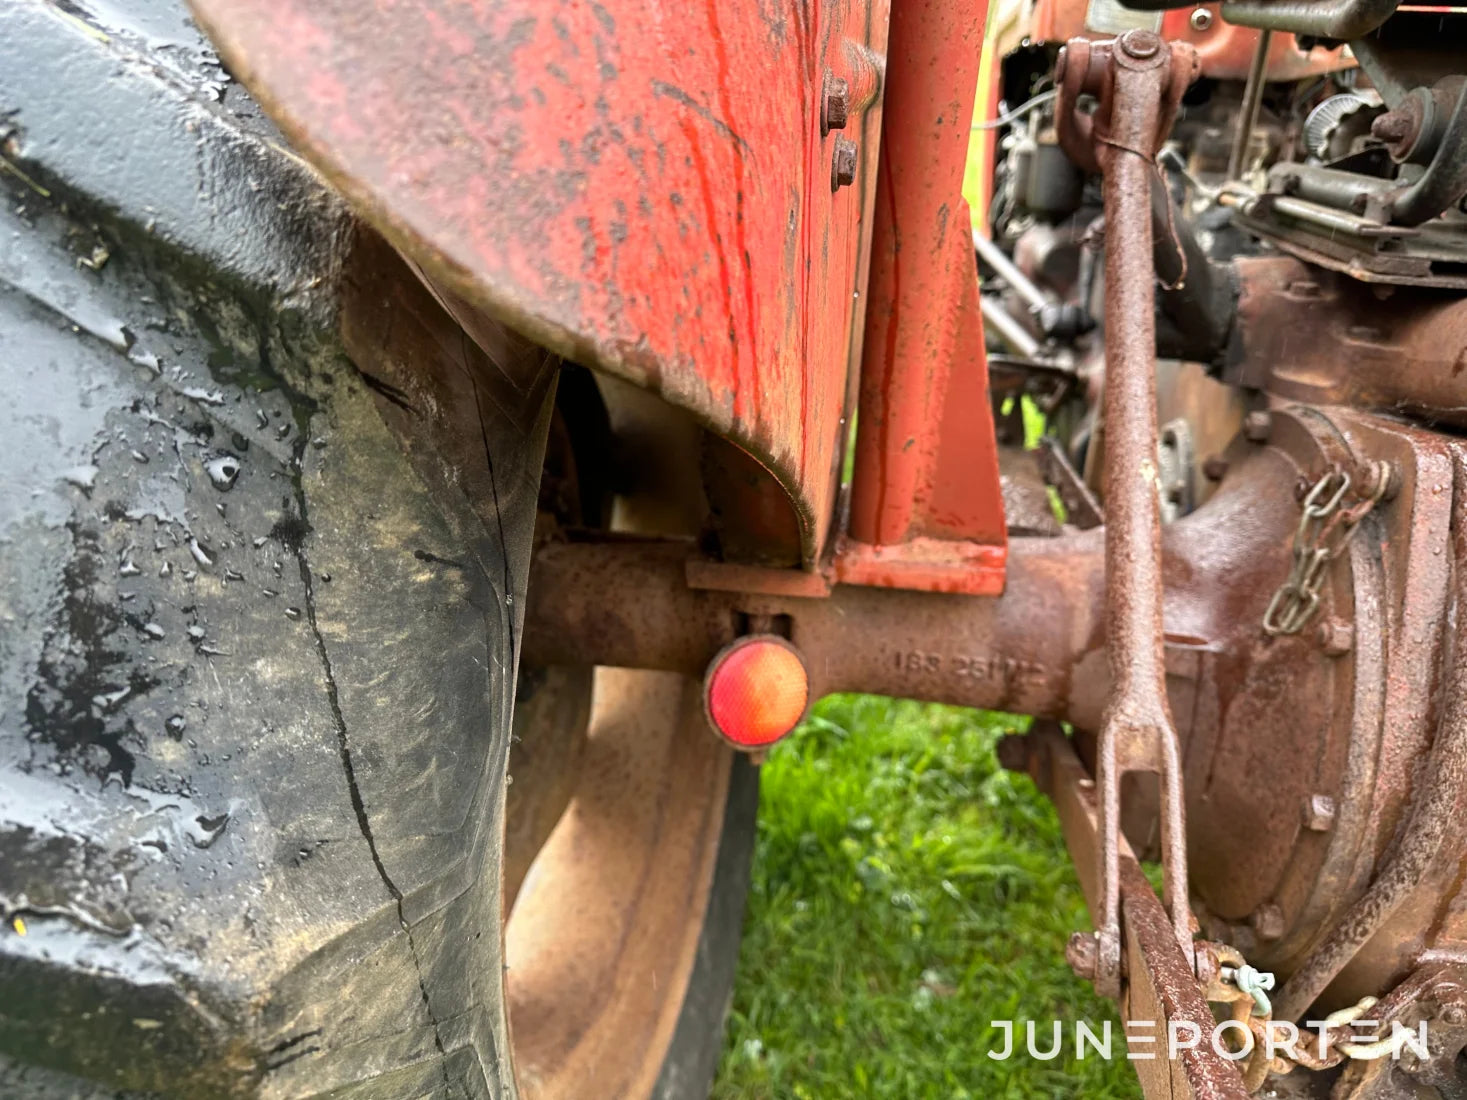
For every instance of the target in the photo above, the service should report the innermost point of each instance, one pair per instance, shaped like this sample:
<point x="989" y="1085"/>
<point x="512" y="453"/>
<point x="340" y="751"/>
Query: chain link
<point x="1244" y="989"/>
<point x="1324" y="532"/>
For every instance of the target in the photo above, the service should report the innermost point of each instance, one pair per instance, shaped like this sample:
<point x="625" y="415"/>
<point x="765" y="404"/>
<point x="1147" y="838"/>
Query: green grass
<point x="906" y="892"/>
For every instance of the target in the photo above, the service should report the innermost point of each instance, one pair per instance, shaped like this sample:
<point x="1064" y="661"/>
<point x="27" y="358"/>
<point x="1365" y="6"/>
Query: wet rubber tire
<point x="265" y="525"/>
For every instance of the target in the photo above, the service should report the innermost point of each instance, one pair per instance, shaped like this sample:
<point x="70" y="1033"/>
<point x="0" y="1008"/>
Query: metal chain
<point x="1245" y="989"/>
<point x="1324" y="531"/>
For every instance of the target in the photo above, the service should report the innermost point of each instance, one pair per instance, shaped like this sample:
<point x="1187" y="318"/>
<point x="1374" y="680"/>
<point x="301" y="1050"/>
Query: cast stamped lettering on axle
<point x="982" y="667"/>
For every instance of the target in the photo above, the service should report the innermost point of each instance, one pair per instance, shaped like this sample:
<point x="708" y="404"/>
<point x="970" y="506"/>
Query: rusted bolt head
<point x="1390" y="127"/>
<point x="1454" y="1015"/>
<point x="835" y="103"/>
<point x="1400" y="129"/>
<point x="1201" y="19"/>
<point x="1257" y="426"/>
<point x="1215" y="468"/>
<point x="1140" y="44"/>
<point x="1082" y="954"/>
<point x="1268" y="921"/>
<point x="1319" y="813"/>
<point x="843" y="164"/>
<point x="1336" y="637"/>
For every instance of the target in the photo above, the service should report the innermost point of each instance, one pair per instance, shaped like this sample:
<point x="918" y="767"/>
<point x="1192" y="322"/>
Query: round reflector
<point x="756" y="691"/>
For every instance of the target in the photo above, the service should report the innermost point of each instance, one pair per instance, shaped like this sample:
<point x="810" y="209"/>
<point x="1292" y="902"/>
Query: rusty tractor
<point x="449" y="441"/>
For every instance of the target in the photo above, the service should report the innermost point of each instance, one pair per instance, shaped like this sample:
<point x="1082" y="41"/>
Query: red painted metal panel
<point x="643" y="185"/>
<point x="926" y="471"/>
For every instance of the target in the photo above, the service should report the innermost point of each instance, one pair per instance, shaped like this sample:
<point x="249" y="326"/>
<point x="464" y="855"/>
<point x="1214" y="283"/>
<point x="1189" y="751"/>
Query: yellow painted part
<point x="978" y="175"/>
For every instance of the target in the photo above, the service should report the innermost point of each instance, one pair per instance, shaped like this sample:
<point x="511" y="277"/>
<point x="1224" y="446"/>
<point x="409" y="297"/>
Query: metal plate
<point x="641" y="186"/>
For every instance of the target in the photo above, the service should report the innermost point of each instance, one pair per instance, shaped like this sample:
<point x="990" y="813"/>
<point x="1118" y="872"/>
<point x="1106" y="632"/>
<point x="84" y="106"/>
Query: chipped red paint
<point x="641" y="185"/>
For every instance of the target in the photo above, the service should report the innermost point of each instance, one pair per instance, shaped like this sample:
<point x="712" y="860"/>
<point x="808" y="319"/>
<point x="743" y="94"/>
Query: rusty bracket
<point x="1162" y="983"/>
<point x="1139" y="80"/>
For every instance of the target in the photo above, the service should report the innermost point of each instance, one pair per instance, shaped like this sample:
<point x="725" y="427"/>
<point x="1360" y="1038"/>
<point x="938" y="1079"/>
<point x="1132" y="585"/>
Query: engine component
<point x="1056" y="320"/>
<point x="1331" y="127"/>
<point x="1405" y="358"/>
<point x="1045" y="182"/>
<point x="1331" y="19"/>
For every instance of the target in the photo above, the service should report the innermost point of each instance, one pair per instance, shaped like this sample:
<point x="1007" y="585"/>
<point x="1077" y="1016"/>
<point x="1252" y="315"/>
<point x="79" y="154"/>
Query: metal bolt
<point x="1391" y="127"/>
<point x="1140" y="44"/>
<point x="1336" y="637"/>
<point x="1319" y="813"/>
<point x="1454" y="1015"/>
<point x="1257" y="426"/>
<point x="843" y="164"/>
<point x="1082" y="953"/>
<point x="1268" y="921"/>
<point x="1201" y="19"/>
<point x="835" y="103"/>
<point x="1215" y="468"/>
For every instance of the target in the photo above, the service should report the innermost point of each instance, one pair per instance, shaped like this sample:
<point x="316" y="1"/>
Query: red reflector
<point x="756" y="691"/>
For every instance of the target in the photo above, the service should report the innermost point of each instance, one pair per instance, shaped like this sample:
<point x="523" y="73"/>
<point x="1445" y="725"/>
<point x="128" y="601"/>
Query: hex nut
<point x="835" y="103"/>
<point x="843" y="164"/>
<point x="1336" y="637"/>
<point x="1268" y="921"/>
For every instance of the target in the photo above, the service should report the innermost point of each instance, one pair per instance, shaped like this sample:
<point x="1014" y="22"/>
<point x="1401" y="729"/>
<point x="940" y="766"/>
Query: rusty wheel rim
<point x="602" y="937"/>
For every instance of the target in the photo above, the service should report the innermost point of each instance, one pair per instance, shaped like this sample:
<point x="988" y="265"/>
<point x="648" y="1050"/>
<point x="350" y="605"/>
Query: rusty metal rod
<point x="1038" y="650"/>
<point x="1431" y="815"/>
<point x="1005" y="269"/>
<point x="1006" y="327"/>
<point x="1137" y="732"/>
<point x="1252" y="103"/>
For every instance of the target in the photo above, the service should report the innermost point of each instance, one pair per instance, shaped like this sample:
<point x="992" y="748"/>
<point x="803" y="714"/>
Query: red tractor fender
<point x="684" y="196"/>
<point x="647" y="188"/>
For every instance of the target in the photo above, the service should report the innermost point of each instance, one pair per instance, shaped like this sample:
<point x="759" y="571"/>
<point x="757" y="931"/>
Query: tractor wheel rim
<point x="602" y="937"/>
